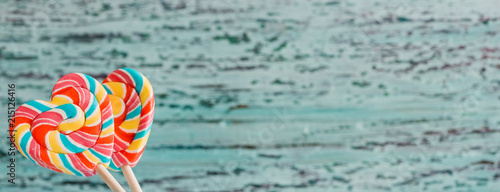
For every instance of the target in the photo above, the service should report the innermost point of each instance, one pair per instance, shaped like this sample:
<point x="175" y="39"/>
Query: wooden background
<point x="277" y="95"/>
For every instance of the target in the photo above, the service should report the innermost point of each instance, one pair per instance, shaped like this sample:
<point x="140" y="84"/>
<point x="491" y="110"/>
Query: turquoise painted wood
<point x="281" y="95"/>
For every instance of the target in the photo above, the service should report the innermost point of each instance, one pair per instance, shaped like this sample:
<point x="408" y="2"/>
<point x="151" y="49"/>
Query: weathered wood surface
<point x="278" y="95"/>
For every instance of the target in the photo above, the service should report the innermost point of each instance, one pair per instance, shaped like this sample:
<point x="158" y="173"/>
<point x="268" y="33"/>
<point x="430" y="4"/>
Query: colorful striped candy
<point x="133" y="103"/>
<point x="70" y="134"/>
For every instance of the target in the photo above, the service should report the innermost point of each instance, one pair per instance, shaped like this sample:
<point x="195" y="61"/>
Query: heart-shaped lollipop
<point x="133" y="103"/>
<point x="73" y="133"/>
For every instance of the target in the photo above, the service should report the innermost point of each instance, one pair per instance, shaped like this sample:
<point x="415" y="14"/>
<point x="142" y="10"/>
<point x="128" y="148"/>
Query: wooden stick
<point x="131" y="180"/>
<point x="109" y="179"/>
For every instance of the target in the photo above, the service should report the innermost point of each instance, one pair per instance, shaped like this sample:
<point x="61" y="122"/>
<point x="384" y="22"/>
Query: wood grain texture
<point x="281" y="95"/>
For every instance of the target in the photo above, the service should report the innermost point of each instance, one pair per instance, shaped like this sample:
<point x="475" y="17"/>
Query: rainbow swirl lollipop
<point x="73" y="133"/>
<point x="133" y="103"/>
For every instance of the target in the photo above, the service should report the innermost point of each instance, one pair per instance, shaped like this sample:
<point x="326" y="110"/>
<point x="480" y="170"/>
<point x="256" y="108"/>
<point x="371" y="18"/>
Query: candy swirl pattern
<point x="70" y="134"/>
<point x="133" y="103"/>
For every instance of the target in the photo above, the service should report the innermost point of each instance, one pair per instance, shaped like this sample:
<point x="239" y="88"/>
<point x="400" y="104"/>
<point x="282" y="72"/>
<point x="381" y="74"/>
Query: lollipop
<point x="73" y="133"/>
<point x="133" y="102"/>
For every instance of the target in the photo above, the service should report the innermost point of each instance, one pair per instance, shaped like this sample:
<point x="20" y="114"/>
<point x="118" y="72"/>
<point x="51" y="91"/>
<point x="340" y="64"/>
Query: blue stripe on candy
<point x="137" y="77"/>
<point x="69" y="145"/>
<point x="68" y="165"/>
<point x="93" y="108"/>
<point x="136" y="112"/>
<point x="107" y="89"/>
<point x="24" y="144"/>
<point x="92" y="84"/>
<point x="142" y="134"/>
<point x="102" y="158"/>
<point x="113" y="167"/>
<point x="69" y="109"/>
<point x="36" y="104"/>
<point x="107" y="123"/>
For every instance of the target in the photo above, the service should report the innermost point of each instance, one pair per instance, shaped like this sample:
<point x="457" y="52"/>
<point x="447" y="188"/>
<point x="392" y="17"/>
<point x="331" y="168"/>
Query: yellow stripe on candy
<point x="54" y="142"/>
<point x="93" y="118"/>
<point x="101" y="92"/>
<point x="107" y="131"/>
<point x="138" y="144"/>
<point x="90" y="156"/>
<point x="71" y="126"/>
<point x="146" y="91"/>
<point x="131" y="124"/>
<point x="117" y="105"/>
<point x="75" y="124"/>
<point x="60" y="100"/>
<point x="21" y="130"/>
<point x="54" y="158"/>
<point x="117" y="88"/>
